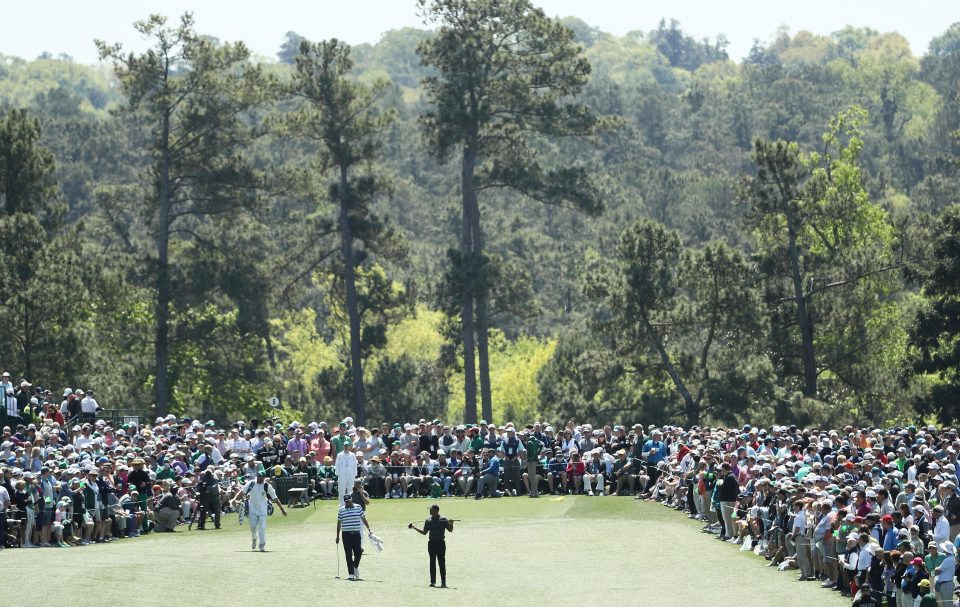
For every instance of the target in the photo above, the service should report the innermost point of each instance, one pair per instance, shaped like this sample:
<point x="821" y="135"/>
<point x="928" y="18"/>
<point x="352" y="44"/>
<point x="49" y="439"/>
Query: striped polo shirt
<point x="350" y="518"/>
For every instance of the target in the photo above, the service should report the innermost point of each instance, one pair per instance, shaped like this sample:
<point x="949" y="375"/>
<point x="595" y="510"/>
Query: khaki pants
<point x="727" y="509"/>
<point x="804" y="562"/>
<point x="532" y="478"/>
<point x="830" y="557"/>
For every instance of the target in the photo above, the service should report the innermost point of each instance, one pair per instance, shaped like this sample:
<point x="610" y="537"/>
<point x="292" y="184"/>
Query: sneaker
<point x="389" y="496"/>
<point x="433" y="585"/>
<point x="352" y="577"/>
<point x="443" y="584"/>
<point x="262" y="548"/>
<point x="590" y="493"/>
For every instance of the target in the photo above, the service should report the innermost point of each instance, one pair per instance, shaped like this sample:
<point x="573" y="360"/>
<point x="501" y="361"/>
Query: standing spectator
<point x="11" y="409"/>
<point x="729" y="492"/>
<point x="297" y="446"/>
<point x="338" y="440"/>
<point x="941" y="528"/>
<point x="799" y="534"/>
<point x="320" y="446"/>
<point x="511" y="452"/>
<point x="944" y="572"/>
<point x="4" y="507"/>
<point x="951" y="505"/>
<point x="654" y="452"/>
<point x="88" y="407"/>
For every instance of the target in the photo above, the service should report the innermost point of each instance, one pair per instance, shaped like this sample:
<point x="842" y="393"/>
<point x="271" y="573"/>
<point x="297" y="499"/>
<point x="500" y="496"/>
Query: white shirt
<point x="346" y="465"/>
<point x="89" y="405"/>
<point x="800" y="523"/>
<point x="258" y="496"/>
<point x="241" y="445"/>
<point x="941" y="530"/>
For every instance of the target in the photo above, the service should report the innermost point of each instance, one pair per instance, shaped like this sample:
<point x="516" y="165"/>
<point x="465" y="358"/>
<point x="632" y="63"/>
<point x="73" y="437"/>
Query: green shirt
<point x="928" y="600"/>
<point x="337" y="444"/>
<point x="533" y="447"/>
<point x="476" y="443"/>
<point x="932" y="562"/>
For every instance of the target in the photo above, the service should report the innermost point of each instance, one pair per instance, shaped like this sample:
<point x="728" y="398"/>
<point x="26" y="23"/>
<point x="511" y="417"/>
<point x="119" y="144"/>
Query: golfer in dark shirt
<point x="436" y="526"/>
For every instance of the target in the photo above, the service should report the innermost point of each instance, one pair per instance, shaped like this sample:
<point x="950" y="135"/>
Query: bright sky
<point x="69" y="26"/>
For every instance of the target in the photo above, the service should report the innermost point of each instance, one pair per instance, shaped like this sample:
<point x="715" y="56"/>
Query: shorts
<point x="95" y="514"/>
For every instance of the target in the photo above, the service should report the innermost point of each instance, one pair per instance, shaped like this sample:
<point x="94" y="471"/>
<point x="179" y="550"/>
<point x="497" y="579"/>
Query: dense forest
<point x="499" y="215"/>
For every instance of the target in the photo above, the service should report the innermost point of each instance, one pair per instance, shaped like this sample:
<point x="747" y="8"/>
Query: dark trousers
<point x="352" y="550"/>
<point x="3" y="529"/>
<point x="654" y="473"/>
<point x="438" y="554"/>
<point x="212" y="507"/>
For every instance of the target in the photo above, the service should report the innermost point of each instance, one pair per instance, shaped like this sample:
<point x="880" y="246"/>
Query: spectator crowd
<point x="869" y="513"/>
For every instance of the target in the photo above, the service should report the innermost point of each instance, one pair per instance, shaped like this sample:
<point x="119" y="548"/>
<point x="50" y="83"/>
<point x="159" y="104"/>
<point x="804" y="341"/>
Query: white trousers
<point x="599" y="483"/>
<point x="344" y="486"/>
<point x="258" y="527"/>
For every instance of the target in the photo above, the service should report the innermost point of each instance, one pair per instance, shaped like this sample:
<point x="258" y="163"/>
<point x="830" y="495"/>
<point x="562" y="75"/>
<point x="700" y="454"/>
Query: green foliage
<point x="253" y="258"/>
<point x="514" y="369"/>
<point x="26" y="167"/>
<point x="934" y="335"/>
<point x="685" y="316"/>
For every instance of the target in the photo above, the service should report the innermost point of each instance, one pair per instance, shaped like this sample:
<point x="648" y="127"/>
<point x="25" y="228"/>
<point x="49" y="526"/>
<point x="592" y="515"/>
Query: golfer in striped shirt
<point x="350" y="522"/>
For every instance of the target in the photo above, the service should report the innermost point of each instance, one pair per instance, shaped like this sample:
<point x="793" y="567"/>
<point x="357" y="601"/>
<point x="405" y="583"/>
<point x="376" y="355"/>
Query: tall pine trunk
<point x="162" y="338"/>
<point x="481" y="294"/>
<point x="469" y="197"/>
<point x="803" y="315"/>
<point x="353" y="312"/>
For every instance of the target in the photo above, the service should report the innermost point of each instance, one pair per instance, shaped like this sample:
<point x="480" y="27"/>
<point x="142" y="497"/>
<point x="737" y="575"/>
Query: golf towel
<point x="377" y="542"/>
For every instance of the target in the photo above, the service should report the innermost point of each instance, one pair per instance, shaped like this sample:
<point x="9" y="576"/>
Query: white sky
<point x="69" y="26"/>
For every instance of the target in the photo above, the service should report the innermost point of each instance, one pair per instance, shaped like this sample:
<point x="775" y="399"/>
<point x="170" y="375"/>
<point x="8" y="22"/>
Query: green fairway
<point x="574" y="551"/>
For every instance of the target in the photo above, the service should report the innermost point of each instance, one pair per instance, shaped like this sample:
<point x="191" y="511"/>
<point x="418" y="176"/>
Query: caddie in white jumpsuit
<point x="346" y="466"/>
<point x="258" y="494"/>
